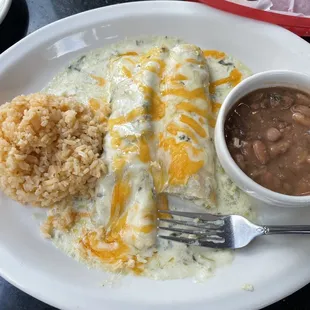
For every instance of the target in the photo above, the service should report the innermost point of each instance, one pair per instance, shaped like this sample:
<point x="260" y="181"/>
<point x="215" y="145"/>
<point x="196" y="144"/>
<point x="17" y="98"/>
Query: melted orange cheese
<point x="144" y="150"/>
<point x="202" y="120"/>
<point x="83" y="214"/>
<point x="128" y="54"/>
<point x="214" y="54"/>
<point x="99" y="108"/>
<point x="152" y="56"/>
<point x="108" y="244"/>
<point x="234" y="78"/>
<point x="119" y="163"/>
<point x="138" y="145"/>
<point x="153" y="52"/>
<point x="194" y="61"/>
<point x="173" y="129"/>
<point x="189" y="107"/>
<point x="152" y="69"/>
<point x="178" y="66"/>
<point x="129" y="57"/>
<point x="181" y="166"/>
<point x="193" y="124"/>
<point x="112" y="253"/>
<point x="163" y="204"/>
<point x="158" y="107"/>
<point x="212" y="122"/>
<point x="162" y="66"/>
<point x="175" y="80"/>
<point x="180" y="77"/>
<point x="100" y="80"/>
<point x="130" y="60"/>
<point x="94" y="104"/>
<point x="215" y="107"/>
<point x="120" y="195"/>
<point x="126" y="72"/>
<point x="198" y="93"/>
<point x="132" y="115"/>
<point x="146" y="229"/>
<point x="159" y="177"/>
<point x="130" y="148"/>
<point x="116" y="139"/>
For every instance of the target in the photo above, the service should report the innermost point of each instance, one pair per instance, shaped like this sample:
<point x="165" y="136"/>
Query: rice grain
<point x="50" y="148"/>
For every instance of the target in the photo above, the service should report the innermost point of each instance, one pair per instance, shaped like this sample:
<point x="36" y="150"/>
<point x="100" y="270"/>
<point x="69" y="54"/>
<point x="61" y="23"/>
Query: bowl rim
<point x="4" y="9"/>
<point x="223" y="153"/>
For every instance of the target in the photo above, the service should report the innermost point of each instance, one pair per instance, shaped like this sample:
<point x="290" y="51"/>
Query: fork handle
<point x="286" y="229"/>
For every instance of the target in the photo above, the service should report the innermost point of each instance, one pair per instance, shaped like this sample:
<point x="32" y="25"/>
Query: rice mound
<point x="50" y="149"/>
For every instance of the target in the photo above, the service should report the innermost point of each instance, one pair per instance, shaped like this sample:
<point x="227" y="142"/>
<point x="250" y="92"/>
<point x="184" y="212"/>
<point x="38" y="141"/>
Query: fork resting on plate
<point x="219" y="231"/>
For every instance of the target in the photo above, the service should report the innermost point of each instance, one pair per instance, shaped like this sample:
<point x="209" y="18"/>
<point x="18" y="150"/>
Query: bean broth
<point x="268" y="135"/>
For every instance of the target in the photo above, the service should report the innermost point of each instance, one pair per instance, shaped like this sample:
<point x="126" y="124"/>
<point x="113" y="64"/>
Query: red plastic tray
<point x="298" y="25"/>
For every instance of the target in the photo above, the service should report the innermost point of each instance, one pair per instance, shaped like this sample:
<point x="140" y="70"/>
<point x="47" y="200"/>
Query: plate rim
<point x="5" y="10"/>
<point x="162" y="4"/>
<point x="115" y="11"/>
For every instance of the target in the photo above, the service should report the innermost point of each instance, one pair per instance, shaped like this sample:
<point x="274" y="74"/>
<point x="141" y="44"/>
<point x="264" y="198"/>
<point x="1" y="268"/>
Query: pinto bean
<point x="257" y="97"/>
<point x="258" y="172"/>
<point x="303" y="99"/>
<point x="268" y="135"/>
<point x="302" y="109"/>
<point x="286" y="102"/>
<point x="264" y="103"/>
<point x="275" y="100"/>
<point x="270" y="181"/>
<point x="301" y="119"/>
<point x="282" y="124"/>
<point x="260" y="151"/>
<point x="246" y="148"/>
<point x="273" y="134"/>
<point x="286" y="129"/>
<point x="301" y="155"/>
<point x="303" y="187"/>
<point x="255" y="106"/>
<point x="287" y="188"/>
<point x="239" y="159"/>
<point x="279" y="148"/>
<point x="267" y="179"/>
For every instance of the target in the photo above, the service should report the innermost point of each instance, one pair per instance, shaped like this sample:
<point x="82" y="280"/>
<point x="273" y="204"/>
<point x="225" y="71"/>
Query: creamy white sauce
<point x="221" y="68"/>
<point x="176" y="260"/>
<point x="173" y="260"/>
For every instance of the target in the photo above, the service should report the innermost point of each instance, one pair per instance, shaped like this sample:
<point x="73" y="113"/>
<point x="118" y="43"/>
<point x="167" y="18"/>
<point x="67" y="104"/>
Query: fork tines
<point x="206" y="228"/>
<point x="194" y="215"/>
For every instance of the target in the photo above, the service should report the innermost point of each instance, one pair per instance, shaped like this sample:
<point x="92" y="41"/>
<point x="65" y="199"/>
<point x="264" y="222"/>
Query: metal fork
<point x="219" y="231"/>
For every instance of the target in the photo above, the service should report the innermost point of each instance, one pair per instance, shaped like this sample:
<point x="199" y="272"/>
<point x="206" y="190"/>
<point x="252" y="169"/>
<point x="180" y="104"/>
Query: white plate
<point x="276" y="266"/>
<point x="4" y="8"/>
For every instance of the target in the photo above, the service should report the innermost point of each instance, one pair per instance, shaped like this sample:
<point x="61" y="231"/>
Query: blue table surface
<point x="24" y="17"/>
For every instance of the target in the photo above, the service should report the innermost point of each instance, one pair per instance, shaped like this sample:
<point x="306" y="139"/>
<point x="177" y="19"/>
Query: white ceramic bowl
<point x="260" y="80"/>
<point x="4" y="8"/>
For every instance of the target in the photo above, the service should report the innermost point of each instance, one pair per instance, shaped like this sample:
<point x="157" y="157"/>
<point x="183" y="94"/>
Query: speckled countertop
<point x="24" y="17"/>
